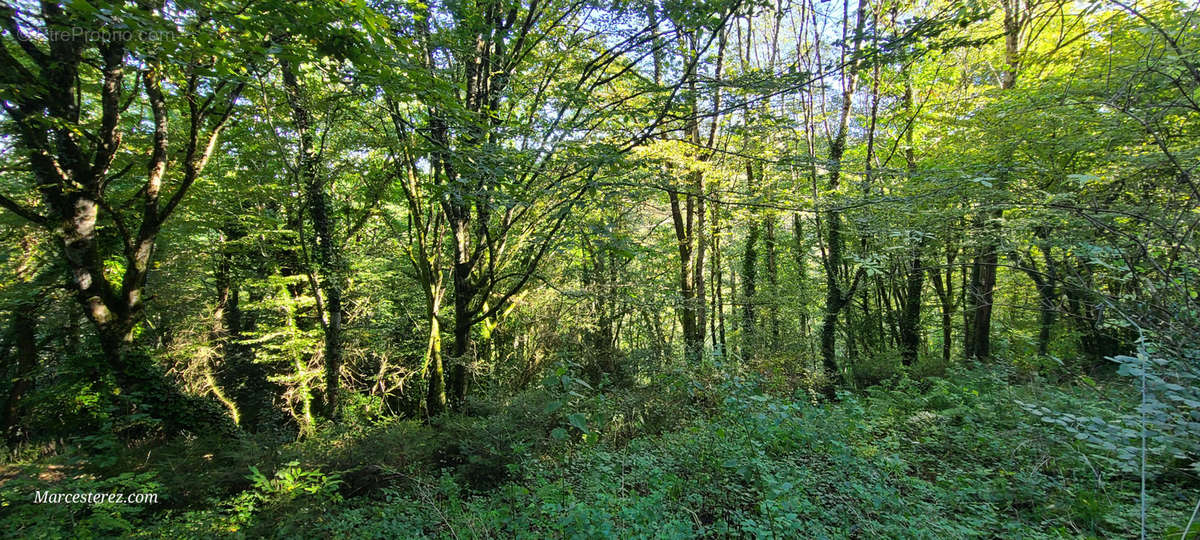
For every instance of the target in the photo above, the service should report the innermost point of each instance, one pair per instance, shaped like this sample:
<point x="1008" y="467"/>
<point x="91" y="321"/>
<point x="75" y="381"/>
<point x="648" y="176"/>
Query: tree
<point x="78" y="149"/>
<point x="839" y="287"/>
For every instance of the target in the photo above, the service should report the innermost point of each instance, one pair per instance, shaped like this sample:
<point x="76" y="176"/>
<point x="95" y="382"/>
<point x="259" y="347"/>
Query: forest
<point x="600" y="268"/>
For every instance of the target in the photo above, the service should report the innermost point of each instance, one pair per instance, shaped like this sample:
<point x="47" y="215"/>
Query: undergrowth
<point x="943" y="457"/>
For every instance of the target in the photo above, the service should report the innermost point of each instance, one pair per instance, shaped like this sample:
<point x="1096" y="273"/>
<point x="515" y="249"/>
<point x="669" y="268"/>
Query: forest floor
<point x="677" y="457"/>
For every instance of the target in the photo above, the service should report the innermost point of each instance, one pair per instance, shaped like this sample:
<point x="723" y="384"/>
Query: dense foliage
<point x="547" y="268"/>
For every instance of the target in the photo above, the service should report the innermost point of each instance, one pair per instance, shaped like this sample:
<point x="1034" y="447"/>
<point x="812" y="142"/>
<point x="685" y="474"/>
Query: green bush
<point x="934" y="458"/>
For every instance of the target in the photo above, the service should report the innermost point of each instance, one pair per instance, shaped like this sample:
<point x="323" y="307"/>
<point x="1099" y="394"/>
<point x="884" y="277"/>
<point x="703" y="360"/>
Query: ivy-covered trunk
<point x="750" y="282"/>
<point x="328" y="251"/>
<point x="837" y="297"/>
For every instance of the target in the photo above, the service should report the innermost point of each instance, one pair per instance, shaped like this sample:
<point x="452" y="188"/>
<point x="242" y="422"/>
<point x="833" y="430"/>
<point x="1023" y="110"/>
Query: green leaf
<point x="579" y="421"/>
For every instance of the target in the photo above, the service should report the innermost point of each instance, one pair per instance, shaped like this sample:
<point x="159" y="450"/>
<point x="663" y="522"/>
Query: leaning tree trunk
<point x="1044" y="281"/>
<point x="947" y="300"/>
<point x="226" y="326"/>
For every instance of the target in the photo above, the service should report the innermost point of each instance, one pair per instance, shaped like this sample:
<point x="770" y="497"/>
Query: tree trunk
<point x="968" y="328"/>
<point x="829" y="339"/>
<point x="718" y="273"/>
<point x="328" y="251"/>
<point x="1046" y="297"/>
<point x="701" y="314"/>
<point x="772" y="280"/>
<point x="24" y="330"/>
<point x="801" y="272"/>
<point x="945" y="293"/>
<point x="836" y="298"/>
<point x="464" y="293"/>
<point x="227" y="326"/>
<point x="682" y="224"/>
<point x="910" y="319"/>
<point x="983" y="269"/>
<point x="910" y="316"/>
<point x="1044" y="282"/>
<point x="749" y="293"/>
<point x="981" y="295"/>
<point x="435" y="397"/>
